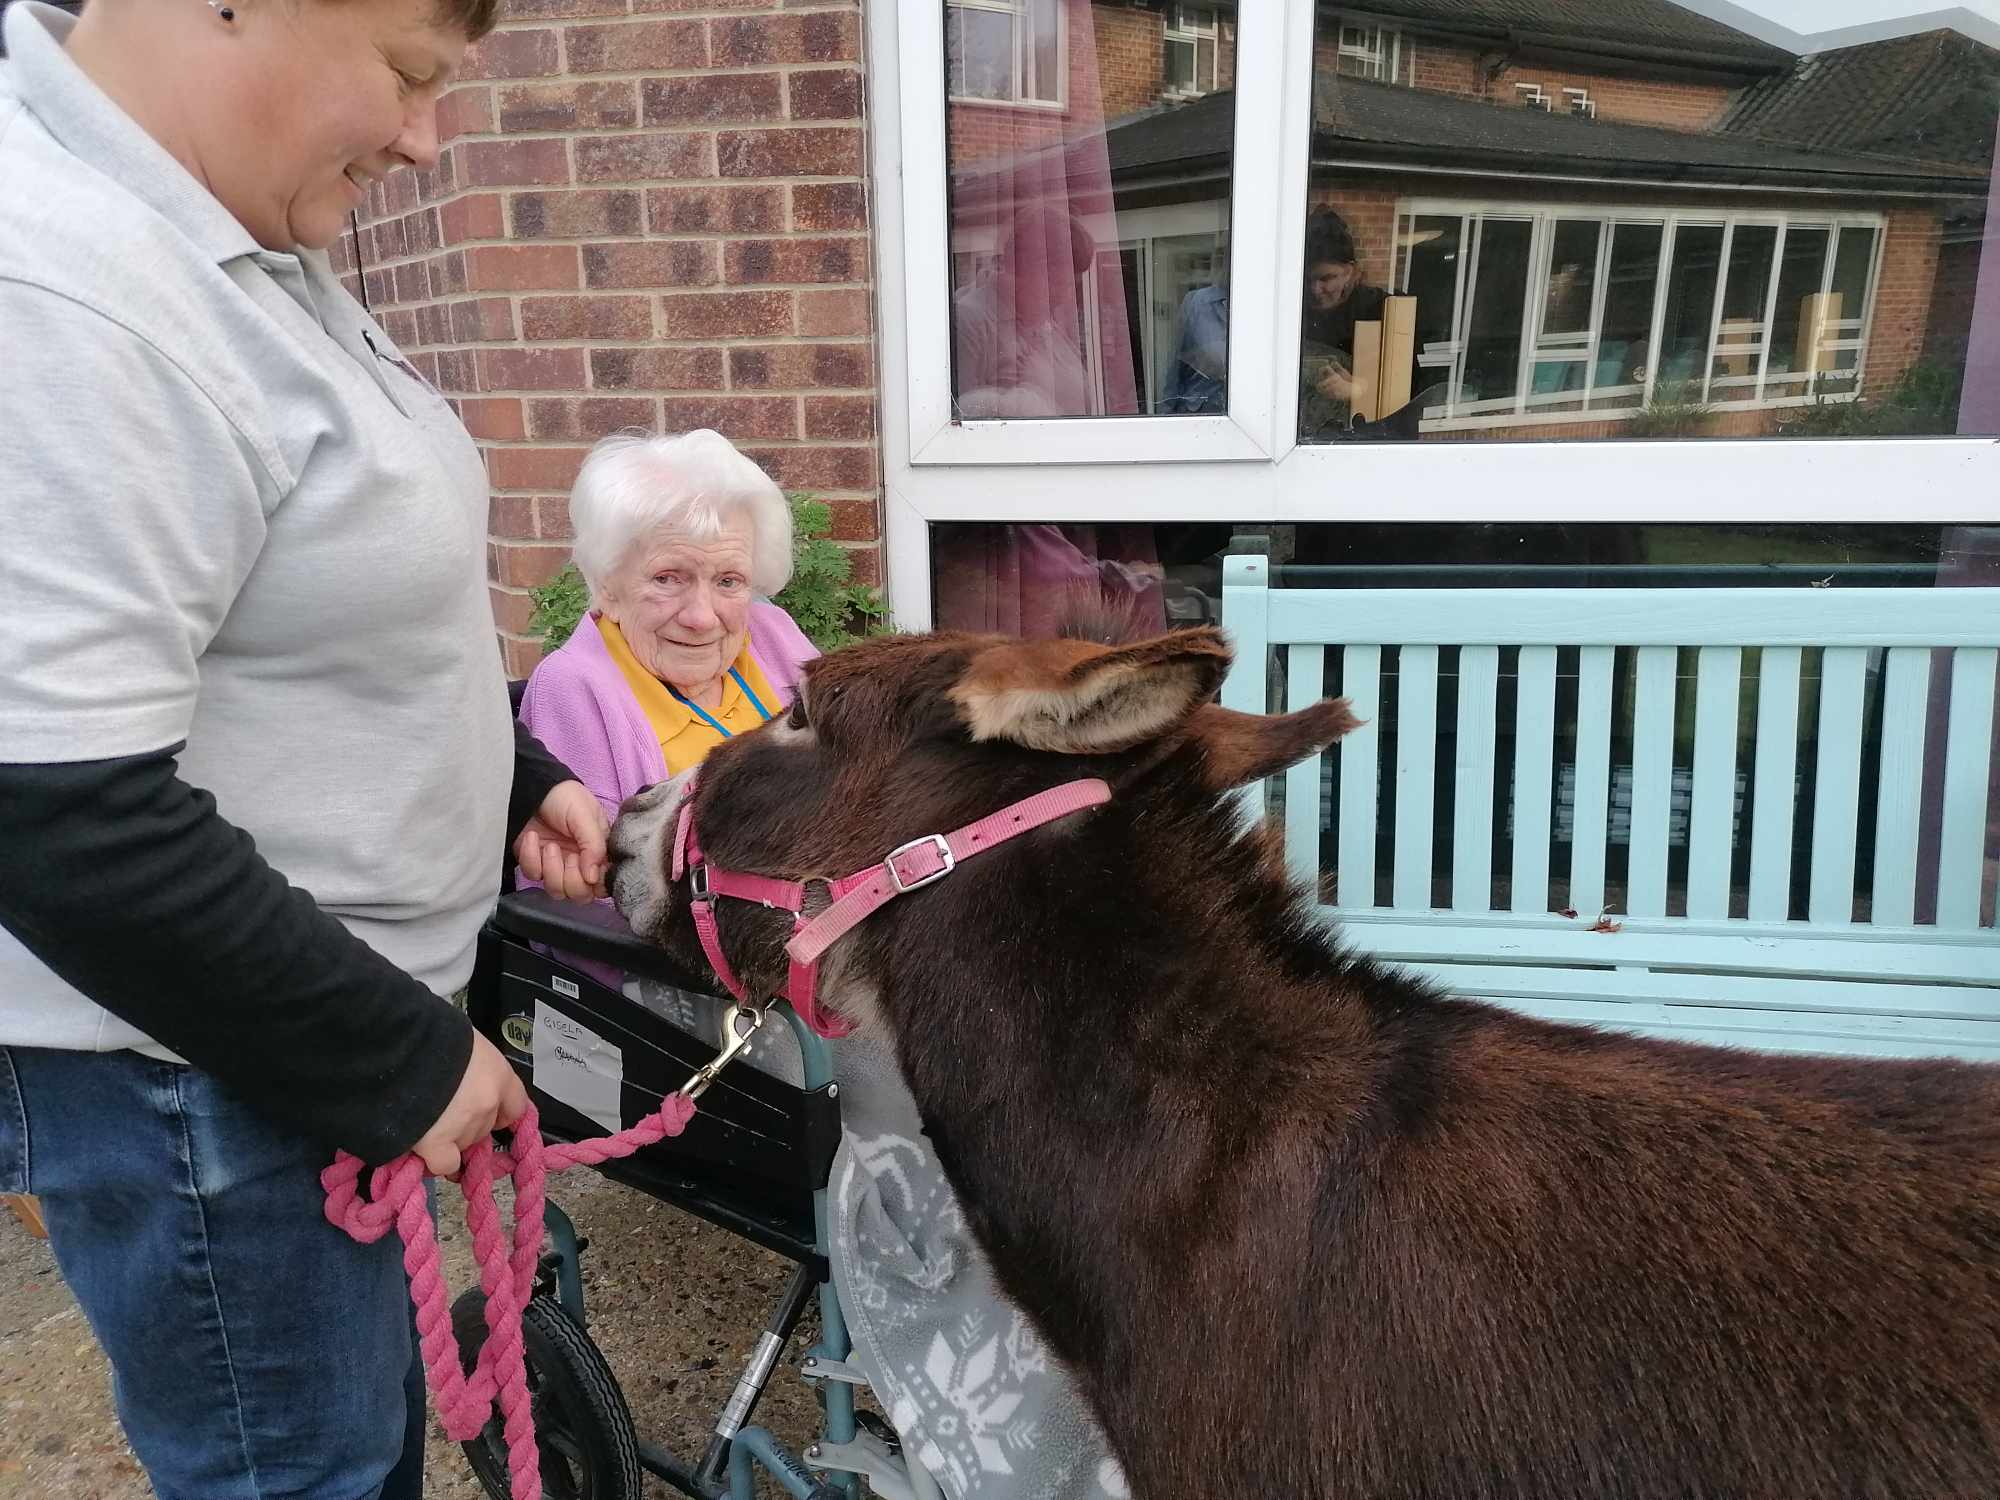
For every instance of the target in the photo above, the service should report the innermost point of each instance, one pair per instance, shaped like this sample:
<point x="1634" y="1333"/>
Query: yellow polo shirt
<point x="685" y="735"/>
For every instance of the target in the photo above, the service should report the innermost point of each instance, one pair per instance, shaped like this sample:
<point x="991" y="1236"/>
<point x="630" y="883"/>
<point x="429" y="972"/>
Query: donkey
<point x="1300" y="1224"/>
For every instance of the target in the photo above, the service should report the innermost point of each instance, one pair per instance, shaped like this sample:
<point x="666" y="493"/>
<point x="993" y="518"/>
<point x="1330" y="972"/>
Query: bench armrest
<point x="594" y="931"/>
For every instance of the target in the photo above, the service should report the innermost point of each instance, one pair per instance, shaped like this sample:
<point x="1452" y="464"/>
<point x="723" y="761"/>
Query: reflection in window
<point x="1191" y="50"/>
<point x="1584" y="297"/>
<point x="1007" y="51"/>
<point x="1734" y="319"/>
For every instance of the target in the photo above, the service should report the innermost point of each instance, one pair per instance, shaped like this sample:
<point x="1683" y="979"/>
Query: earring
<point x="226" y="12"/>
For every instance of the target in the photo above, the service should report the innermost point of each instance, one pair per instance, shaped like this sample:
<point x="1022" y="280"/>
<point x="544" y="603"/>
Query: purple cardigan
<point x="579" y="705"/>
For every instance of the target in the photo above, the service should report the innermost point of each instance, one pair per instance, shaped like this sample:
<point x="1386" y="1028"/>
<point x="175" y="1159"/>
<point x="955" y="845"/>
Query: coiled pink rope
<point x="396" y="1199"/>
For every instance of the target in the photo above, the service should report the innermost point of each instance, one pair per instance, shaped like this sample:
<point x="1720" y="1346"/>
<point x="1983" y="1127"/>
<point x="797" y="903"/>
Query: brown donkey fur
<point x="1302" y="1226"/>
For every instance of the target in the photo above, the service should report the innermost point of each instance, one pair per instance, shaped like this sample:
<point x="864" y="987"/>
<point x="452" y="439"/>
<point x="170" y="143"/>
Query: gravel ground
<point x="675" y="1304"/>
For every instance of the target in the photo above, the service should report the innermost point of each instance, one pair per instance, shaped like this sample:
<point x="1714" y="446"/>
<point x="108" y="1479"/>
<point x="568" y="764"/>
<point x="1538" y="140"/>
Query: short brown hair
<point x="475" y="17"/>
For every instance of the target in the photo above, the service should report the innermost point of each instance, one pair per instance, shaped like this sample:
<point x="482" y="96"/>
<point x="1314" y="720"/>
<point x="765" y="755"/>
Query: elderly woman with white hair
<point x="677" y="537"/>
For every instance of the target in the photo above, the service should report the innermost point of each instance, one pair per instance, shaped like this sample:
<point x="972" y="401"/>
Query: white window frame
<point x="1538" y="347"/>
<point x="1018" y="9"/>
<point x="1249" y="466"/>
<point x="1382" y="52"/>
<point x="1192" y="36"/>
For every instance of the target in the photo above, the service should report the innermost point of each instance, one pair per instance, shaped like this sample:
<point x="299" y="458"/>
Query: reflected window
<point x="1191" y="50"/>
<point x="1005" y="51"/>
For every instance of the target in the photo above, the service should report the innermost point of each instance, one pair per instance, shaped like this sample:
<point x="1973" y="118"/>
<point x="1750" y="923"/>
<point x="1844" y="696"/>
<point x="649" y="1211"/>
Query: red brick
<point x="867" y="565"/>
<point x="550" y="10"/>
<point x="391" y="240"/>
<point x="510" y="515"/>
<point x="829" y="205"/>
<point x="513" y="54"/>
<point x="639" y="158"/>
<point x="829" y="314"/>
<point x="656" y="369"/>
<point x="467" y="110"/>
<point x="531" y="370"/>
<point x="433" y="324"/>
<point x="747" y="42"/>
<point x="815" y="468"/>
<point x="586" y="419"/>
<point x="568" y="106"/>
<point x="738" y="418"/>
<point x="413" y="282"/>
<point x="534" y="469"/>
<point x="850" y="417"/>
<point x="511" y="610"/>
<point x="441" y="181"/>
<point x="803" y="151"/>
<point x="726" y="315"/>
<point x="519" y="658"/>
<point x="855" y="521"/>
<point x="824" y="94"/>
<point x="421" y="230"/>
<point x="508" y="163"/>
<point x="755" y="262"/>
<point x="403" y="328"/>
<point x="552" y="517"/>
<point x="485" y="321"/>
<point x="401" y="191"/>
<point x="586" y="318"/>
<point x="591" y="213"/>
<point x="514" y="268"/>
<point x="448" y="275"/>
<point x="497" y="420"/>
<point x="527" y="564"/>
<point x="716" y="210"/>
<point x="643" y="6"/>
<point x="712" y="98"/>
<point x="797" y="366"/>
<point x="637" y="46"/>
<point x="476" y="216"/>
<point x="378" y="288"/>
<point x="457" y="371"/>
<point x="651" y="263"/>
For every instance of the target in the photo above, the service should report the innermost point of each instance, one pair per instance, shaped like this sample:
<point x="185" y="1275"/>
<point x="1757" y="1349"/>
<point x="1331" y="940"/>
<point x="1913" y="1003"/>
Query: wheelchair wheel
<point x="589" y="1447"/>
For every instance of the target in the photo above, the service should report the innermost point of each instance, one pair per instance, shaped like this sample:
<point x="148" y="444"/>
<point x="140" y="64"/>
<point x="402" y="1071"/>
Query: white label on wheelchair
<point x="577" y="1066"/>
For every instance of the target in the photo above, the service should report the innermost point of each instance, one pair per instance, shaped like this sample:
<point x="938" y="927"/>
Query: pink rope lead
<point x="396" y="1199"/>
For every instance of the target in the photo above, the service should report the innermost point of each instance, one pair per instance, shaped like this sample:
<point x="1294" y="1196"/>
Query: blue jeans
<point x="256" y="1351"/>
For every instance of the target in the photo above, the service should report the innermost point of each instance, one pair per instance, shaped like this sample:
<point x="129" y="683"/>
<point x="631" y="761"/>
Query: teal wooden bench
<point x="1755" y="817"/>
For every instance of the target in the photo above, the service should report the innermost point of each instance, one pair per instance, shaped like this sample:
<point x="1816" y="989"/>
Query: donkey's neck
<point x="1102" y="1037"/>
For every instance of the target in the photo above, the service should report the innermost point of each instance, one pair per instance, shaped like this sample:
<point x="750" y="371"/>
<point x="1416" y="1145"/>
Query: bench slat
<point x="1777" y="776"/>
<point x="1652" y="779"/>
<point x="1712" y="809"/>
<point x="1961" y="854"/>
<point x="1360" y="753"/>
<point x="1416" y="773"/>
<point x="1592" y="800"/>
<point x="1534" y="772"/>
<point x="1899" y="787"/>
<point x="1843" y="683"/>
<point x="1305" y="683"/>
<point x="1971" y="1003"/>
<point x="1628" y="617"/>
<point x="1778" y="1031"/>
<point x="1472" y="797"/>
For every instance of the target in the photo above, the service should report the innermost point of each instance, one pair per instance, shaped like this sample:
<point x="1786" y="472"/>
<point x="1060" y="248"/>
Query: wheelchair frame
<point x="753" y="1161"/>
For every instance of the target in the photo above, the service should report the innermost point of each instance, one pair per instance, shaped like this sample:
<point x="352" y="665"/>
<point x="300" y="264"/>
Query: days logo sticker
<point x="518" y="1032"/>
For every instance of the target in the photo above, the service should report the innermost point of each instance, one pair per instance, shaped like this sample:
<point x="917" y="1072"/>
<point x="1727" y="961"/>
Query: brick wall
<point x="647" y="213"/>
<point x="1131" y="62"/>
<point x="1902" y="298"/>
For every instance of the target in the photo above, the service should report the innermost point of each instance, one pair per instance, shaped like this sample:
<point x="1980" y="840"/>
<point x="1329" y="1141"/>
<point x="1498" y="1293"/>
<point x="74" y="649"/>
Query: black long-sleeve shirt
<point x="128" y="884"/>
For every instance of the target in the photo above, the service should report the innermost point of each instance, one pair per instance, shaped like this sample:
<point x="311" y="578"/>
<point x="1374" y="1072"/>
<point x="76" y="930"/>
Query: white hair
<point x="635" y="484"/>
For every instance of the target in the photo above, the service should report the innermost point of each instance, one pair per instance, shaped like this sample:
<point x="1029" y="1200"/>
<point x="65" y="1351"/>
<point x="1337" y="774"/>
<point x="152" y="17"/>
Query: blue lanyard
<point x="707" y="718"/>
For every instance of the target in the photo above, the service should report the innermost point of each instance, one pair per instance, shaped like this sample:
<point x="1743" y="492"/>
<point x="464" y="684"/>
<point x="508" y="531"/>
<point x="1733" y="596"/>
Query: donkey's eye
<point x="796" y="719"/>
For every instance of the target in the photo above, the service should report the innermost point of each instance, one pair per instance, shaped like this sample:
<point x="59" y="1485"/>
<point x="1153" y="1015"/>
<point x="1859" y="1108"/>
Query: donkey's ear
<point x="1239" y="748"/>
<point x="1080" y="698"/>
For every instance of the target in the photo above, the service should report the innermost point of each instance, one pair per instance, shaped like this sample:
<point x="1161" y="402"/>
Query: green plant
<point x="1676" y="411"/>
<point x="1923" y="403"/>
<point x="822" y="597"/>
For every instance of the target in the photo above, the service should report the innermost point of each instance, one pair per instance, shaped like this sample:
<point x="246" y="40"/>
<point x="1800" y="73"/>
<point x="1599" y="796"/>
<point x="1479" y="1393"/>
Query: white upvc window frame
<point x="1382" y="52"/>
<point x="1018" y="10"/>
<point x="1249" y="466"/>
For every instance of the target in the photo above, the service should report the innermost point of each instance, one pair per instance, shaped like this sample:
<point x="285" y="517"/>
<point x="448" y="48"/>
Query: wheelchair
<point x="753" y="1161"/>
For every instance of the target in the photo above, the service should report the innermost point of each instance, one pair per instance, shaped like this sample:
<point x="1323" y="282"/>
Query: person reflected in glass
<point x="1336" y="299"/>
<point x="1198" y="379"/>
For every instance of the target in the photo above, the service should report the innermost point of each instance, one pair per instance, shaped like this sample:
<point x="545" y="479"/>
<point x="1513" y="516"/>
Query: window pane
<point x="979" y="54"/>
<point x="1089" y="209"/>
<point x="1738" y="252"/>
<point x="1739" y="335"/>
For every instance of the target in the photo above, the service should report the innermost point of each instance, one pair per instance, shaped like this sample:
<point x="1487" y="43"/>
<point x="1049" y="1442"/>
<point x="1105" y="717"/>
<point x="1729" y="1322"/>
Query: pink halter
<point x="906" y="868"/>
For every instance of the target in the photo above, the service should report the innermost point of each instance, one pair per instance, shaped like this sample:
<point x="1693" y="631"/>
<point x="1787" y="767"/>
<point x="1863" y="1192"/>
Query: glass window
<point x="1569" y="242"/>
<point x="1090" y="261"/>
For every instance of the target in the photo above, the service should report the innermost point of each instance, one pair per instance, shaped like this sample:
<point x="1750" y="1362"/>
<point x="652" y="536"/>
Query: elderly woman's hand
<point x="563" y="844"/>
